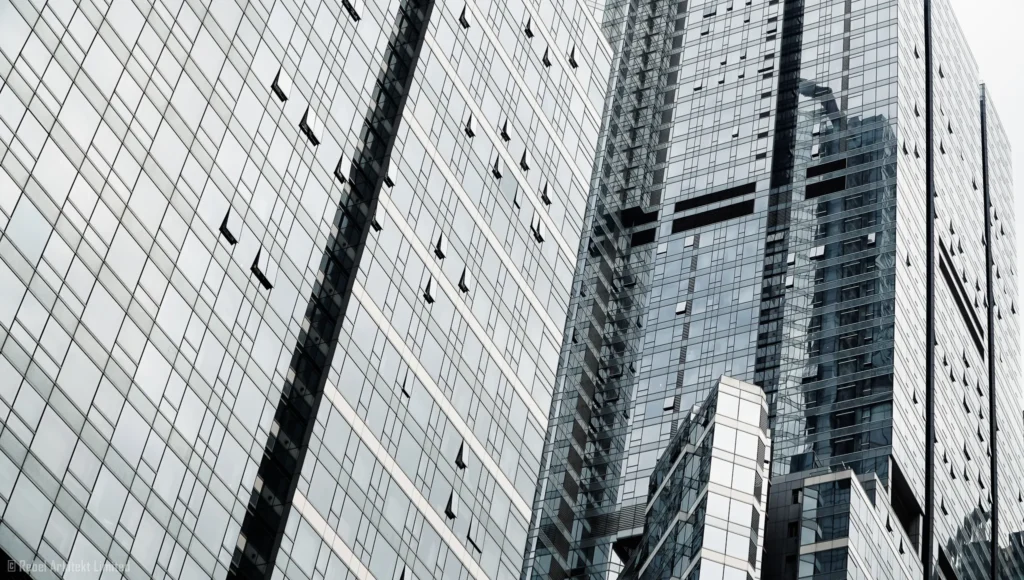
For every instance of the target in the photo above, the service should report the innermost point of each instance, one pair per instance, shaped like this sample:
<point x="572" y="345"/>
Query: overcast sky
<point x="993" y="30"/>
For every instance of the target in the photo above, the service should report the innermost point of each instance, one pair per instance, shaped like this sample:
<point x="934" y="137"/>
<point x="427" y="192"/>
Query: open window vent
<point x="225" y="229"/>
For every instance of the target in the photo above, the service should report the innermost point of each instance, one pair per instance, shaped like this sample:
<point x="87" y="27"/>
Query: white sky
<point x="993" y="31"/>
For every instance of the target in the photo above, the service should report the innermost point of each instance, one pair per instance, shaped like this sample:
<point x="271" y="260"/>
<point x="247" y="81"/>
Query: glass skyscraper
<point x="812" y="196"/>
<point x="282" y="283"/>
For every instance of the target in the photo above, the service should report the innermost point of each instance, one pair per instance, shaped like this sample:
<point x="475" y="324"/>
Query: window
<point x="524" y="162"/>
<point x="848" y="341"/>
<point x="469" y="126"/>
<point x="867" y="360"/>
<point x="792" y="529"/>
<point x="463" y="20"/>
<point x="536" y="227"/>
<point x="681" y="308"/>
<point x="527" y="30"/>
<point x="260" y="267"/>
<point x="462" y="459"/>
<point x="310" y="126"/>
<point x="441" y="246"/>
<point x="798" y="496"/>
<point x="846" y="419"/>
<point x="406" y="386"/>
<point x="572" y="58"/>
<point x="428" y="291"/>
<point x="544" y="195"/>
<point x="842" y="446"/>
<point x="452" y="509"/>
<point x="339" y="170"/>
<point x="496" y="166"/>
<point x="849" y="293"/>
<point x="464" y="281"/>
<point x="846" y="366"/>
<point x="475" y="535"/>
<point x="546" y="59"/>
<point x="225" y="229"/>
<point x="282" y="85"/>
<point x="815" y="324"/>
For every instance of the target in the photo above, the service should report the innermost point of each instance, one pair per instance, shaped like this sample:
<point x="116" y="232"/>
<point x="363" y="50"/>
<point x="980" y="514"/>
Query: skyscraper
<point x="812" y="196"/>
<point x="282" y="283"/>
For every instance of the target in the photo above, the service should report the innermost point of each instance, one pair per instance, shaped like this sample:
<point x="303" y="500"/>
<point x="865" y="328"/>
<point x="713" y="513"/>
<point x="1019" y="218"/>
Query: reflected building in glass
<point x="282" y="283"/>
<point x="812" y="196"/>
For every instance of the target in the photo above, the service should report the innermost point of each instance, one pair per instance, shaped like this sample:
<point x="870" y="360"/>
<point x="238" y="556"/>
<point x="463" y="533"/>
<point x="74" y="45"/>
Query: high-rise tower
<point x="282" y="282"/>
<point x="812" y="196"/>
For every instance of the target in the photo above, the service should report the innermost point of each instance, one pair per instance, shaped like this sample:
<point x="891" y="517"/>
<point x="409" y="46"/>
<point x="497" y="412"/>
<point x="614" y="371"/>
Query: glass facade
<point x="804" y="195"/>
<point x="282" y="283"/>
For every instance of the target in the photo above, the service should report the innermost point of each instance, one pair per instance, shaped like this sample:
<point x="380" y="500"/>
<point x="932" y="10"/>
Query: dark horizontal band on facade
<point x="725" y="194"/>
<point x="712" y="216"/>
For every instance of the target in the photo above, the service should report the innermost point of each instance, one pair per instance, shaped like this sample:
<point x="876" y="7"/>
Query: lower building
<point x="832" y="525"/>
<point x="706" y="498"/>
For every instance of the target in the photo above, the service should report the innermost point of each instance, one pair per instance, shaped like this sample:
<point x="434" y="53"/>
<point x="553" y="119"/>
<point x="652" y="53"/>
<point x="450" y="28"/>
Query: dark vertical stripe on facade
<point x="267" y="513"/>
<point x="577" y="514"/>
<point x="990" y="297"/>
<point x="773" y="292"/>
<point x="791" y="50"/>
<point x="929" y="454"/>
